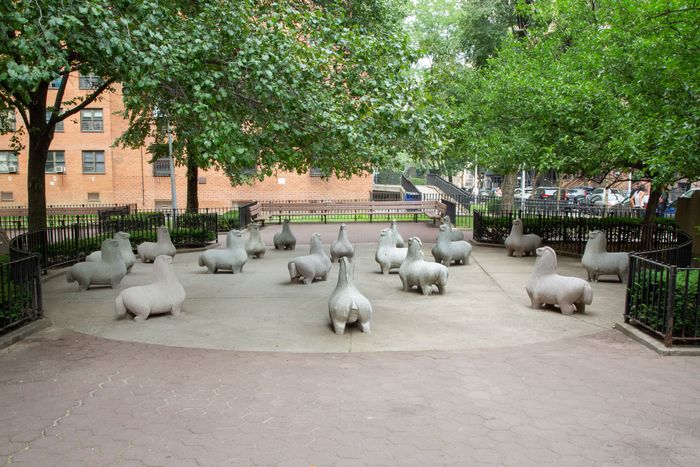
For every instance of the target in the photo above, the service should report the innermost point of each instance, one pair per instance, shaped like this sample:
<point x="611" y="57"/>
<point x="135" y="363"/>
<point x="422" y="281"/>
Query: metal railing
<point x="20" y="290"/>
<point x="411" y="192"/>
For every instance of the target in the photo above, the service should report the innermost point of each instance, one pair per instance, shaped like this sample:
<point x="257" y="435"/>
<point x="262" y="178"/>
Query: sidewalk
<point x="566" y="392"/>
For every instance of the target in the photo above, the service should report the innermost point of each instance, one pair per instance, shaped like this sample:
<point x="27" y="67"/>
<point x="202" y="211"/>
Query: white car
<point x="518" y="193"/>
<point x="614" y="196"/>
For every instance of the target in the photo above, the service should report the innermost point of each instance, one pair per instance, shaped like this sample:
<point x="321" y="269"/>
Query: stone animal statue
<point x="545" y="286"/>
<point x="388" y="255"/>
<point x="254" y="246"/>
<point x="455" y="235"/>
<point x="125" y="248"/>
<point x="165" y="294"/>
<point x="415" y="271"/>
<point x="445" y="251"/>
<point x="396" y="234"/>
<point x="521" y="244"/>
<point x="284" y="240"/>
<point x="149" y="251"/>
<point x="108" y="271"/>
<point x="231" y="258"/>
<point x="598" y="262"/>
<point x="342" y="246"/>
<point x="347" y="304"/>
<point x="314" y="265"/>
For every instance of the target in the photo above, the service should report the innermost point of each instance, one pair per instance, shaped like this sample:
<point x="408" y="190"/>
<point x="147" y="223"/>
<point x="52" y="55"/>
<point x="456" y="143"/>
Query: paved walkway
<point x="589" y="398"/>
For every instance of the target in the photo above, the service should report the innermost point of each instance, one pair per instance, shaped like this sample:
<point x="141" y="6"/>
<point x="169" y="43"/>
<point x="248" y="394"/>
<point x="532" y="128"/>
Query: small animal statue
<point x="108" y="271"/>
<point x="342" y="246"/>
<point x="415" y="271"/>
<point x="445" y="251"/>
<point x="314" y="265"/>
<point x="455" y="234"/>
<point x="254" y="246"/>
<point x="396" y="234"/>
<point x="347" y="304"/>
<point x="149" y="251"/>
<point x="598" y="262"/>
<point x="165" y="294"/>
<point x="125" y="248"/>
<point x="388" y="255"/>
<point x="284" y="240"/>
<point x="231" y="258"/>
<point x="521" y="244"/>
<point x="545" y="286"/>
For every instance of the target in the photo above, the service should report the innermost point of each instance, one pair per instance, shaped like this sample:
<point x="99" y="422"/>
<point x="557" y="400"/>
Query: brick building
<point x="84" y="167"/>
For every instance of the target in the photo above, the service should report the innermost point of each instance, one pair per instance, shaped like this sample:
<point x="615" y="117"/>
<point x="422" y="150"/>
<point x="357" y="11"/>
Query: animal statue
<point x="388" y="255"/>
<point x="545" y="286"/>
<point x="455" y="235"/>
<point x="445" y="251"/>
<point x="342" y="246"/>
<point x="108" y="271"/>
<point x="309" y="267"/>
<point x="598" y="262"/>
<point x="165" y="294"/>
<point x="347" y="304"/>
<point x="231" y="258"/>
<point x="149" y="251"/>
<point x="125" y="248"/>
<point x="254" y="246"/>
<point x="521" y="244"/>
<point x="415" y="271"/>
<point x="284" y="240"/>
<point x="396" y="234"/>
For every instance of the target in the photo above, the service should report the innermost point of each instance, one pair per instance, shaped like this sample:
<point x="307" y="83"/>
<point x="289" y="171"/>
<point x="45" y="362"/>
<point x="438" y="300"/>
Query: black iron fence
<point x="20" y="290"/>
<point x="663" y="294"/>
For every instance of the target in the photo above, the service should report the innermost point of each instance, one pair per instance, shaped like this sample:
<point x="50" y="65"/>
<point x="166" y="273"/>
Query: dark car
<point x="549" y="193"/>
<point x="578" y="195"/>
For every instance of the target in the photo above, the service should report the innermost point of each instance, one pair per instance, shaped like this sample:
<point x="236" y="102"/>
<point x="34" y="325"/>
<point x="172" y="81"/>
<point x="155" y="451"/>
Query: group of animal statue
<point x="547" y="287"/>
<point x="346" y="304"/>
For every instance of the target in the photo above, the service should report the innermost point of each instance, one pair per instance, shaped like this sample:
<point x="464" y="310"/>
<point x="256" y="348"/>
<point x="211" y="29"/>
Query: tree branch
<point x="90" y="99"/>
<point x="59" y="98"/>
<point x="19" y="106"/>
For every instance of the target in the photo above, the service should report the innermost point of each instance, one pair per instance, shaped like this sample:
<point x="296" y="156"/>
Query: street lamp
<point x="173" y="191"/>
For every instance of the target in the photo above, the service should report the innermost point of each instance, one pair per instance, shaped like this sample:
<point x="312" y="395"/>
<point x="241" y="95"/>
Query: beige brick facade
<point x="128" y="175"/>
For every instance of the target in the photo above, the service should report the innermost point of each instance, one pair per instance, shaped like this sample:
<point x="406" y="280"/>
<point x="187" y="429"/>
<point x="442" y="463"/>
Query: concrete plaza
<point x="252" y="374"/>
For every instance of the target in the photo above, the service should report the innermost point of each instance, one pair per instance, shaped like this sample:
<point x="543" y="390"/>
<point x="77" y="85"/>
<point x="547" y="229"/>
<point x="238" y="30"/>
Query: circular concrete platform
<point x="485" y="304"/>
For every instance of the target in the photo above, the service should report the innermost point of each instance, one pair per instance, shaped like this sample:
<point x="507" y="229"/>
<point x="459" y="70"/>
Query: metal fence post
<point x="670" y="305"/>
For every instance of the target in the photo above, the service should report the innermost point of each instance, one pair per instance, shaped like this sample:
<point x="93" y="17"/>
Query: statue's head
<point x="122" y="235"/>
<point x="414" y="248"/>
<point x="546" y="259"/>
<point x="163" y="259"/>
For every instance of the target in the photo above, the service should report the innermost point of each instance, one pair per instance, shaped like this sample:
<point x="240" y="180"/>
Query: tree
<point x="252" y="87"/>
<point x="41" y="41"/>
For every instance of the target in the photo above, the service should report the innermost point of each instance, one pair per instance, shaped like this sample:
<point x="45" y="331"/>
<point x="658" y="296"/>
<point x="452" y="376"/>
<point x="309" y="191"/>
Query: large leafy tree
<point x="256" y="87"/>
<point x="41" y="41"/>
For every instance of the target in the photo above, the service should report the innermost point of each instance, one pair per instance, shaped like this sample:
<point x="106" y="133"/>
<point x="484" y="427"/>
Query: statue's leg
<point x="339" y="326"/>
<point x="84" y="285"/>
<point x="405" y="285"/>
<point x="567" y="308"/>
<point x="426" y="289"/>
<point x="307" y="281"/>
<point x="441" y="288"/>
<point x="580" y="307"/>
<point x="364" y="325"/>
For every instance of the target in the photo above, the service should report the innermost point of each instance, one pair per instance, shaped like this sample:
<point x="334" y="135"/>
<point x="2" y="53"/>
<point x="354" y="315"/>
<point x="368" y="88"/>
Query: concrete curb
<point x="654" y="344"/>
<point x="23" y="332"/>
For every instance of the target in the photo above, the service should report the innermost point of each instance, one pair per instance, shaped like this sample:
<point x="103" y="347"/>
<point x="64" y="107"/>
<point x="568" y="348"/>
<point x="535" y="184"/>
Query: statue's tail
<point x="201" y="260"/>
<point x="292" y="270"/>
<point x="587" y="294"/>
<point x="119" y="307"/>
<point x="69" y="276"/>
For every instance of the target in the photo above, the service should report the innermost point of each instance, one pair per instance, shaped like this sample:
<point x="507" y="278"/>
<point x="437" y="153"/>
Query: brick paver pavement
<point x="72" y="399"/>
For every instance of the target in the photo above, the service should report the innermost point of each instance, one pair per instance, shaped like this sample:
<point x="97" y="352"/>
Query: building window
<point x="91" y="120"/>
<point x="161" y="167"/>
<point x="93" y="197"/>
<point x="164" y="205"/>
<point x="7" y="196"/>
<point x="93" y="162"/>
<point x="315" y="172"/>
<point x="8" y="122"/>
<point x="89" y="81"/>
<point x="59" y="125"/>
<point x="55" y="84"/>
<point x="56" y="162"/>
<point x="8" y="162"/>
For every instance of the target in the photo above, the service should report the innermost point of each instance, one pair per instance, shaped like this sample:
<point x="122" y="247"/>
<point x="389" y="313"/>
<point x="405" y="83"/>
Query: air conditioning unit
<point x="12" y="169"/>
<point x="60" y="169"/>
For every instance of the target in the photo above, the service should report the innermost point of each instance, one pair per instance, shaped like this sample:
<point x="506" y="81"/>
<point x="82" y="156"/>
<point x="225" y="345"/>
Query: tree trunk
<point x="648" y="225"/>
<point x="39" y="141"/>
<point x="192" y="183"/>
<point x="508" y="191"/>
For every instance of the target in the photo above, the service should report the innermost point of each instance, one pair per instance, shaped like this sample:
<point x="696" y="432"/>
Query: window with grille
<point x="8" y="162"/>
<point x="8" y="121"/>
<point x="161" y="167"/>
<point x="55" y="84"/>
<point x="93" y="162"/>
<point x="7" y="196"/>
<point x="91" y="120"/>
<point x="55" y="162"/>
<point x="89" y="81"/>
<point x="93" y="197"/>
<point x="59" y="125"/>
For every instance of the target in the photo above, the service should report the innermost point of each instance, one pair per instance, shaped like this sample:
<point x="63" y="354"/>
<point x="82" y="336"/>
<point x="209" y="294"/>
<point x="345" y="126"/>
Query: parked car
<point x="518" y="194"/>
<point x="549" y="193"/>
<point x="578" y="195"/>
<point x="689" y="193"/>
<point x="614" y="196"/>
